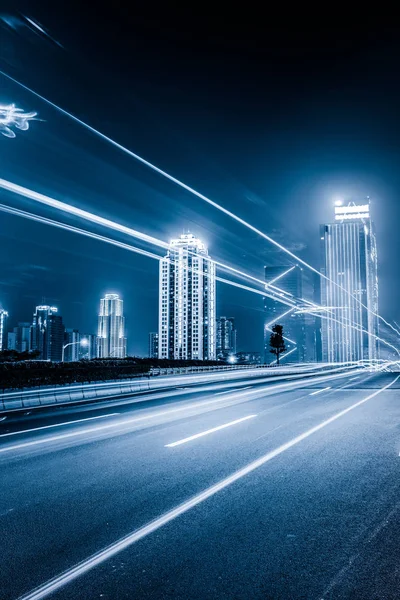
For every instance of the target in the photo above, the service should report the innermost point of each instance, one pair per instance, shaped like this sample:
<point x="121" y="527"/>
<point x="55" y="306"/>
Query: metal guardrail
<point x="48" y="396"/>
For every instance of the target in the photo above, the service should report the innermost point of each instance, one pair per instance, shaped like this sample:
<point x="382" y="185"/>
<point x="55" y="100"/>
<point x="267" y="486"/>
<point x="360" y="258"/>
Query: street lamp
<point x="83" y="342"/>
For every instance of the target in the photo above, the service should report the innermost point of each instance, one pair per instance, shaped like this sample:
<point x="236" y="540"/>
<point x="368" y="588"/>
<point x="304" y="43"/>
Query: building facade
<point x="289" y="279"/>
<point x="153" y="344"/>
<point x="3" y="329"/>
<point x="71" y="343"/>
<point x="187" y="311"/>
<point x="47" y="333"/>
<point x="226" y="337"/>
<point x="350" y="295"/>
<point x="12" y="341"/>
<point x="23" y="335"/>
<point x="111" y="328"/>
<point x="89" y="350"/>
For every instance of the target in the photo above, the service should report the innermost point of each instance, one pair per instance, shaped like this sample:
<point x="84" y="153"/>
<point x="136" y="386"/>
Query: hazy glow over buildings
<point x="111" y="328"/>
<point x="350" y="261"/>
<point x="187" y="301"/>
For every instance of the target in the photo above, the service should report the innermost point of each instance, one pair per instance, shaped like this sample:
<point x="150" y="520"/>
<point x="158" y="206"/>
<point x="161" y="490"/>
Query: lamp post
<point x="84" y="343"/>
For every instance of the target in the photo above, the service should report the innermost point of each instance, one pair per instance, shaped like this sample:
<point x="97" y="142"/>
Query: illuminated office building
<point x="47" y="333"/>
<point x="349" y="254"/>
<point x="111" y="328"/>
<point x="187" y="302"/>
<point x="153" y="344"/>
<point x="226" y="337"/>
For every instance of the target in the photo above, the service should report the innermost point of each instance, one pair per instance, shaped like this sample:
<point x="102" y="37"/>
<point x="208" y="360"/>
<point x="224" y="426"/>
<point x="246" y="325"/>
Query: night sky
<point x="273" y="120"/>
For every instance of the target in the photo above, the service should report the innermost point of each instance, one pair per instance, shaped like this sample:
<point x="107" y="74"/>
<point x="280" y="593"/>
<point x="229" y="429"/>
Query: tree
<point x="276" y="342"/>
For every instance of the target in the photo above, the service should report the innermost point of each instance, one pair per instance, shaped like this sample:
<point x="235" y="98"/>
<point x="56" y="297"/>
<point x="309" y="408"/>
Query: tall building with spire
<point x="187" y="327"/>
<point x="111" y="328"/>
<point x="350" y="292"/>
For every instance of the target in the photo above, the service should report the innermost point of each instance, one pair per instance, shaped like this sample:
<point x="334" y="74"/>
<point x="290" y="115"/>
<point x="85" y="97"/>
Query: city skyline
<point x="300" y="330"/>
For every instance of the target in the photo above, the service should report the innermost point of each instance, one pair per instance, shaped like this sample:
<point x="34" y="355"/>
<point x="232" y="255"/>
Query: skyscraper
<point x="349" y="260"/>
<point x="47" y="333"/>
<point x="3" y="329"/>
<point x="226" y="337"/>
<point x="290" y="280"/>
<point x="187" y="301"/>
<point x="111" y="329"/>
<point x="153" y="344"/>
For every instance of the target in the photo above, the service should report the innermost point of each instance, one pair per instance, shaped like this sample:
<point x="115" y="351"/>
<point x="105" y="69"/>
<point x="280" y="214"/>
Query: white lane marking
<point x="320" y="391"/>
<point x="203" y="433"/>
<point x="62" y="436"/>
<point x="353" y="378"/>
<point x="234" y="390"/>
<point x="96" y="559"/>
<point x="57" y="425"/>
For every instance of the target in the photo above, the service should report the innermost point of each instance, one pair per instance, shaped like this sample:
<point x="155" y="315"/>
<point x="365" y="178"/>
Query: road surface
<point x="273" y="491"/>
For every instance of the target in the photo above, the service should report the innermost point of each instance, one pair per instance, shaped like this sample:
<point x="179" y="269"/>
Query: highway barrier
<point x="158" y="379"/>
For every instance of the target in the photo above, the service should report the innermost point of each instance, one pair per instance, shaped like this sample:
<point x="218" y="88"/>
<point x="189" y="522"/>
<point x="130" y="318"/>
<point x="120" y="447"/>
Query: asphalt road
<point x="292" y="491"/>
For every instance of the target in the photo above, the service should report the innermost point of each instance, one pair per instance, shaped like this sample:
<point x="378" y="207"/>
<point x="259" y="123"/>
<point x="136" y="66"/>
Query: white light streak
<point x="58" y="582"/>
<point x="203" y="433"/>
<point x="280" y="276"/>
<point x="78" y="212"/>
<point x="319" y="376"/>
<point x="275" y="320"/>
<point x="24" y="431"/>
<point x="130" y="248"/>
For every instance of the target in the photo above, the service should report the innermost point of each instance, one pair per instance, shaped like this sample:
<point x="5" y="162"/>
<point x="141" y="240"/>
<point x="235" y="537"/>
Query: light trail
<point x="281" y="275"/>
<point x="91" y="217"/>
<point x="23" y="431"/>
<point x="73" y="229"/>
<point x="361" y="330"/>
<point x="78" y="212"/>
<point x="267" y="325"/>
<point x="195" y="193"/>
<point x="130" y="248"/>
<point x="213" y="430"/>
<point x="271" y="386"/>
<point x="84" y="567"/>
<point x="245" y="287"/>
